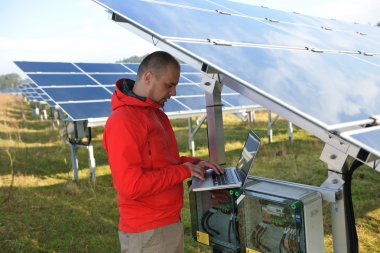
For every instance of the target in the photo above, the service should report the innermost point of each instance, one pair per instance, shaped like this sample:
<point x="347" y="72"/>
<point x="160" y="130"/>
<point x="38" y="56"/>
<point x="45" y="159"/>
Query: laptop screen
<point x="248" y="154"/>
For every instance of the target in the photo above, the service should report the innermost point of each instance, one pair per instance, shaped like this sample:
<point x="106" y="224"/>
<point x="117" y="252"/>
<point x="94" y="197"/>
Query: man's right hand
<point x="196" y="170"/>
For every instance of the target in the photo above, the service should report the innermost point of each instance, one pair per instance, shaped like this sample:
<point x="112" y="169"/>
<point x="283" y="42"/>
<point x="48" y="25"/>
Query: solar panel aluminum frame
<point x="313" y="126"/>
<point x="195" y="113"/>
<point x="348" y="135"/>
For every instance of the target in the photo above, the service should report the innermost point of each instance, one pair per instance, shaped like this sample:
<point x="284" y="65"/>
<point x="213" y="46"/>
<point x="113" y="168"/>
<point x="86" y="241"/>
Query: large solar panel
<point x="317" y="86"/>
<point x="178" y="21"/>
<point x="91" y="88"/>
<point x="323" y="74"/>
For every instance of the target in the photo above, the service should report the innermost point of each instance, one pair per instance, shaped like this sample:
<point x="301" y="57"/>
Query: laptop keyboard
<point x="222" y="179"/>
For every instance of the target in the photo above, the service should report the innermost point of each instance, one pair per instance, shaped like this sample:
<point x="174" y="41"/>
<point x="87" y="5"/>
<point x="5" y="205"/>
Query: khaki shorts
<point x="167" y="239"/>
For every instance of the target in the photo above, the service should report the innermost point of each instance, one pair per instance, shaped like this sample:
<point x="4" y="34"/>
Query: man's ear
<point x="147" y="76"/>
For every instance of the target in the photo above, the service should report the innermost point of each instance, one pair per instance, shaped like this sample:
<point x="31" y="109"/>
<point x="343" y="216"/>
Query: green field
<point x="43" y="210"/>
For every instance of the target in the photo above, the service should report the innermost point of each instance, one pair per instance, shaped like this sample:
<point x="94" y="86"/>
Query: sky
<point x="80" y="30"/>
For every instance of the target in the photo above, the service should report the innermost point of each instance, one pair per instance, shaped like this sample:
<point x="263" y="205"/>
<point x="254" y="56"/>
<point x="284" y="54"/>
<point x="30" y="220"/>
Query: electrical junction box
<point x="76" y="130"/>
<point x="214" y="219"/>
<point x="280" y="218"/>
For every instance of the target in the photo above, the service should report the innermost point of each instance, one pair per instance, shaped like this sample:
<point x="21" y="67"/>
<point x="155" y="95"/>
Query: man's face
<point x="164" y="85"/>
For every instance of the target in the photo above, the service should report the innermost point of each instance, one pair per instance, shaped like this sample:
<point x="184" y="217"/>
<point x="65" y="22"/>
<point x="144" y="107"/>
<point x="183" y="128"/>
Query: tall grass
<point x="43" y="210"/>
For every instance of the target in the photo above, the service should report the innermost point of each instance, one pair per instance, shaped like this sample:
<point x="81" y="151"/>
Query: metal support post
<point x="270" y="124"/>
<point x="51" y="114"/>
<point x="45" y="114"/>
<point x="58" y="116"/>
<point x="35" y="111"/>
<point x="191" y="139"/>
<point x="290" y="131"/>
<point x="192" y="133"/>
<point x="339" y="225"/>
<point x="251" y="117"/>
<point x="215" y="130"/>
<point x="74" y="161"/>
<point x="91" y="161"/>
<point x="338" y="165"/>
<point x="41" y="115"/>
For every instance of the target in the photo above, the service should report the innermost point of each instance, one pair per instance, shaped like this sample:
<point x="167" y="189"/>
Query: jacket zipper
<point x="150" y="156"/>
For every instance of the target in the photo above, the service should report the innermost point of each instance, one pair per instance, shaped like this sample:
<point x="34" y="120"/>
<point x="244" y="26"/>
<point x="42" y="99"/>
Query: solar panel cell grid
<point x="46" y="67"/>
<point x="84" y="111"/>
<point x="107" y="79"/>
<point x="78" y="94"/>
<point x="61" y="79"/>
<point x="103" y="67"/>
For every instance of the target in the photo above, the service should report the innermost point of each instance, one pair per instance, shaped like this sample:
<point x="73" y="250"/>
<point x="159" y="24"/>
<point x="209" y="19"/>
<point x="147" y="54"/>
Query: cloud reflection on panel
<point x="187" y="21"/>
<point x="331" y="89"/>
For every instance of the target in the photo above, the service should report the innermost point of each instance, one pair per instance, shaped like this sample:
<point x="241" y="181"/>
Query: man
<point x="146" y="168"/>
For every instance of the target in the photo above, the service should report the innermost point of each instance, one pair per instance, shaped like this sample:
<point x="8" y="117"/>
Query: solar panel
<point x="102" y="67"/>
<point x="84" y="88"/>
<point x="368" y="138"/>
<point x="87" y="110"/>
<point x="132" y="66"/>
<point x="188" y="90"/>
<point x="111" y="78"/>
<point x="185" y="68"/>
<point x="46" y="67"/>
<point x="318" y="86"/>
<point x="78" y="94"/>
<point x="195" y="78"/>
<point x="236" y="100"/>
<point x="173" y="106"/>
<point x="194" y="103"/>
<point x="374" y="60"/>
<point x="61" y="79"/>
<point x="204" y="25"/>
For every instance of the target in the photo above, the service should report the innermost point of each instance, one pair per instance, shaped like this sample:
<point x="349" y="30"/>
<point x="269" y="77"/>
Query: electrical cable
<point x="203" y="221"/>
<point x="206" y="223"/>
<point x="229" y="231"/>
<point x="350" y="214"/>
<point x="79" y="141"/>
<point x="262" y="245"/>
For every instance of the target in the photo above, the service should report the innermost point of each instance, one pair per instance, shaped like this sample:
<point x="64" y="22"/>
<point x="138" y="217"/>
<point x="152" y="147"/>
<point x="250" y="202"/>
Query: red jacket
<point x="143" y="156"/>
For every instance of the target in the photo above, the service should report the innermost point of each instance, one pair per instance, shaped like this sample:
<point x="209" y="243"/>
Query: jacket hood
<point x="124" y="95"/>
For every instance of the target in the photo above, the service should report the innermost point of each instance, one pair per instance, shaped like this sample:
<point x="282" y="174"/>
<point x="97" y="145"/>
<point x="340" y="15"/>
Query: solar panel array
<point x="320" y="71"/>
<point x="83" y="90"/>
<point x="34" y="94"/>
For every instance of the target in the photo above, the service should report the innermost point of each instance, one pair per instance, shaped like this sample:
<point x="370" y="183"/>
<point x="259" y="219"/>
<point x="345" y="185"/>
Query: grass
<point x="43" y="210"/>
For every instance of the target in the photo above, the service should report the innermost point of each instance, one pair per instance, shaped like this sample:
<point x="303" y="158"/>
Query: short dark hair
<point x="156" y="62"/>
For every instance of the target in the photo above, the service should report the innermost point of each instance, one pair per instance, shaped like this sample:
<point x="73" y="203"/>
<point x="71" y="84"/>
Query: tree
<point x="132" y="59"/>
<point x="11" y="80"/>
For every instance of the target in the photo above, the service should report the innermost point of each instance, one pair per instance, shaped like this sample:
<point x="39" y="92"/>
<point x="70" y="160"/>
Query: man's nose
<point x="173" y="91"/>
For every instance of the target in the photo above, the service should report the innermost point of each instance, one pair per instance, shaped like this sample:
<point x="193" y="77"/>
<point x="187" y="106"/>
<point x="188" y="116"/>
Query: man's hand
<point x="198" y="170"/>
<point x="210" y="165"/>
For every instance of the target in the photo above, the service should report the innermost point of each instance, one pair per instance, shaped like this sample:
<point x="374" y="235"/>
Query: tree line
<point x="12" y="80"/>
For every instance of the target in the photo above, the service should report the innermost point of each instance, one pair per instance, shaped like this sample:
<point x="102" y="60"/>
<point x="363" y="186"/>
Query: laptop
<point x="232" y="177"/>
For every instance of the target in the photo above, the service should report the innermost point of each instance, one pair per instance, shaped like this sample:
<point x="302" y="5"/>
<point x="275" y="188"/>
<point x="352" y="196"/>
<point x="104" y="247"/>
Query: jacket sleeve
<point x="124" y="142"/>
<point x="189" y="159"/>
